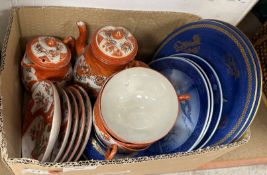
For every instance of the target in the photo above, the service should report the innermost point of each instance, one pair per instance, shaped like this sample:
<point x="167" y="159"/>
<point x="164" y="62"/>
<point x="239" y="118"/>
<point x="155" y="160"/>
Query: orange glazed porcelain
<point x="46" y="58"/>
<point x="110" y="50"/>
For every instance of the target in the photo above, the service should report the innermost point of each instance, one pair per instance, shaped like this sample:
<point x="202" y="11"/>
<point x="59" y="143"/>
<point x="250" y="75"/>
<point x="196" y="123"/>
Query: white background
<point x="231" y="11"/>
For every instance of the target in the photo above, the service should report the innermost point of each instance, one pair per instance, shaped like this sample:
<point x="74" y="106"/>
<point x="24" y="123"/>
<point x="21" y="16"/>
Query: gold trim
<point x="245" y="109"/>
<point x="256" y="92"/>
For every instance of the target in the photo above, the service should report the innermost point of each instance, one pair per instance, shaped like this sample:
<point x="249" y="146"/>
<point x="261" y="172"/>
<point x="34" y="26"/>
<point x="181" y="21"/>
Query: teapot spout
<point x="81" y="41"/>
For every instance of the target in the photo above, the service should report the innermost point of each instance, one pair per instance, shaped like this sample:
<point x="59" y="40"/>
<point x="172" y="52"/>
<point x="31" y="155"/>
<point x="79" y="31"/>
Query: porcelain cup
<point x="135" y="108"/>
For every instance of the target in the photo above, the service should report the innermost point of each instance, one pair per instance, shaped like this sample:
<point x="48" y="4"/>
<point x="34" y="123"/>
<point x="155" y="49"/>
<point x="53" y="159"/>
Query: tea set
<point x="201" y="89"/>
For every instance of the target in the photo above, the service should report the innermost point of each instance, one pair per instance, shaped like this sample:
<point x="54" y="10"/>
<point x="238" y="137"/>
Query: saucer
<point x="194" y="115"/>
<point x="42" y="121"/>
<point x="88" y="122"/>
<point x="74" y="126"/>
<point x="64" y="128"/>
<point x="81" y="126"/>
<point x="217" y="94"/>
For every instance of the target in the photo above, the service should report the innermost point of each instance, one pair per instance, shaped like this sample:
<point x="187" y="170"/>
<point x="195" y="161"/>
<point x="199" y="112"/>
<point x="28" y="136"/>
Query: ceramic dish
<point x="97" y="150"/>
<point x="81" y="126"/>
<point x="234" y="66"/>
<point x="210" y="112"/>
<point x="64" y="128"/>
<point x="253" y="54"/>
<point x="74" y="126"/>
<point x="88" y="122"/>
<point x="194" y="115"/>
<point x="114" y="146"/>
<point x="42" y="121"/>
<point x="138" y="106"/>
<point x="217" y="94"/>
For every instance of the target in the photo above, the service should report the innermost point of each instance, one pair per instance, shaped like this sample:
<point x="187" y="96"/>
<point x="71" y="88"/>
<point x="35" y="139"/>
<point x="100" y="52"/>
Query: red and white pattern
<point x="115" y="42"/>
<point x="83" y="75"/>
<point x="53" y="53"/>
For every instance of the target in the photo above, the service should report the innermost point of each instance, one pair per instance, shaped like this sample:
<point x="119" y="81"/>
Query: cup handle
<point x="136" y="63"/>
<point x="184" y="97"/>
<point x="111" y="152"/>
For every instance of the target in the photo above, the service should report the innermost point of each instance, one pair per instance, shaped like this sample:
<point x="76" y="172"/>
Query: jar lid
<point x="47" y="51"/>
<point x="114" y="45"/>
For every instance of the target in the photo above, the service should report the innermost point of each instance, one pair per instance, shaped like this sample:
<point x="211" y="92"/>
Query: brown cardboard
<point x="254" y="152"/>
<point x="149" y="28"/>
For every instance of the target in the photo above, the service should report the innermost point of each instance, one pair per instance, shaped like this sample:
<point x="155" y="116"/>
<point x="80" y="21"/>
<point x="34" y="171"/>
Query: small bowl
<point x="138" y="106"/>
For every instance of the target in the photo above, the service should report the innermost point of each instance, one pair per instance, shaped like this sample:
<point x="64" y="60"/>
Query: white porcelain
<point x="42" y="121"/>
<point x="74" y="126"/>
<point x="81" y="125"/>
<point x="88" y="122"/>
<point x="139" y="105"/>
<point x="65" y="128"/>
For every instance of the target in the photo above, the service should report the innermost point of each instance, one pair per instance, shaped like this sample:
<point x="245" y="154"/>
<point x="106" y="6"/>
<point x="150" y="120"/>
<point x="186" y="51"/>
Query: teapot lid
<point x="114" y="45"/>
<point x="47" y="51"/>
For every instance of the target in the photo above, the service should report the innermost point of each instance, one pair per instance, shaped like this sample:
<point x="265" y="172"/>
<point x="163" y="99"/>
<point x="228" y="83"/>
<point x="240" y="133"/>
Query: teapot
<point x="46" y="58"/>
<point x="110" y="50"/>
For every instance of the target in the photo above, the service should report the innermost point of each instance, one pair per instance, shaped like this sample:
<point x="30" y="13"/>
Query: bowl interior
<point x="139" y="105"/>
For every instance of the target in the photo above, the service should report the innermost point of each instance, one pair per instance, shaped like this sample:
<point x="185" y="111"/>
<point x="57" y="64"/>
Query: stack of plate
<point x="57" y="123"/>
<point x="217" y="65"/>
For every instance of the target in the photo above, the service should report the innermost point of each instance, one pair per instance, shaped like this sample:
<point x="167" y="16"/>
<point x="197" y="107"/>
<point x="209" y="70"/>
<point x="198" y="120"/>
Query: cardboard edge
<point x="6" y="38"/>
<point x="3" y="143"/>
<point x="233" y="145"/>
<point x="104" y="9"/>
<point x="234" y="163"/>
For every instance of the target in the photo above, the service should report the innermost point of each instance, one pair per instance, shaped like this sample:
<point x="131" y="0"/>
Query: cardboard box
<point x="149" y="28"/>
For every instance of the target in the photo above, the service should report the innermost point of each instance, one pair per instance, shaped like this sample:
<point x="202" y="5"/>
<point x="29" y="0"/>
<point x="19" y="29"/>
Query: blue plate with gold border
<point x="253" y="54"/>
<point x="236" y="69"/>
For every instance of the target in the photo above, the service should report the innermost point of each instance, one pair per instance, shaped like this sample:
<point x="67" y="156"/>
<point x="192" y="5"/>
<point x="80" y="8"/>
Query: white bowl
<point x="139" y="105"/>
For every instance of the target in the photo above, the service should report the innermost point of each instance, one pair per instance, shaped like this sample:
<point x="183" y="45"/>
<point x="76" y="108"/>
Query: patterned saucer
<point x="193" y="118"/>
<point x="88" y="122"/>
<point x="74" y="126"/>
<point x="81" y="126"/>
<point x="65" y="128"/>
<point x="217" y="94"/>
<point x="42" y="121"/>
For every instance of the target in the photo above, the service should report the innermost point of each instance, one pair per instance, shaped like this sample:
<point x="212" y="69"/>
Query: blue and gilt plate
<point x="253" y="54"/>
<point x="194" y="114"/>
<point x="226" y="53"/>
<point x="217" y="94"/>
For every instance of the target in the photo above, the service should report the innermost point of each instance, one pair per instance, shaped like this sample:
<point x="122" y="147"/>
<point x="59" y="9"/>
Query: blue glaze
<point x="259" y="75"/>
<point x="224" y="51"/>
<point x="193" y="116"/>
<point x="217" y="94"/>
<point x="96" y="150"/>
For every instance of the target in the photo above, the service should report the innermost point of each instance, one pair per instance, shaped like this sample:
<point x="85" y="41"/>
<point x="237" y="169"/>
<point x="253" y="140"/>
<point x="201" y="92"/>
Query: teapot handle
<point x="111" y="152"/>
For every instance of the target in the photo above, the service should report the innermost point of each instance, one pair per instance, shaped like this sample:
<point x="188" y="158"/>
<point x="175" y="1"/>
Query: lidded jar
<point x="46" y="58"/>
<point x="110" y="50"/>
